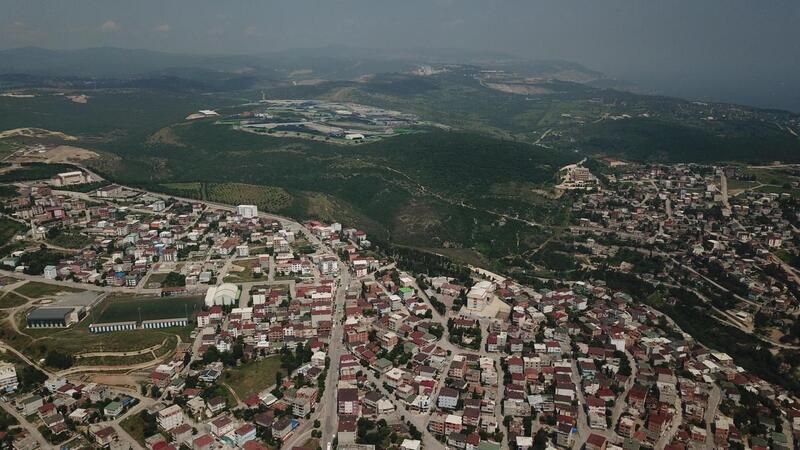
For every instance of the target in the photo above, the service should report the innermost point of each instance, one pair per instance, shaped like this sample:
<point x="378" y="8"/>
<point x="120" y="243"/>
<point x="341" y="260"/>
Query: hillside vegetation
<point x="476" y="177"/>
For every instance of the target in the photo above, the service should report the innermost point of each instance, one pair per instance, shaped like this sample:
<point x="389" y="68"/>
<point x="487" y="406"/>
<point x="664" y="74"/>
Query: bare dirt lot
<point x="36" y="133"/>
<point x="67" y="153"/>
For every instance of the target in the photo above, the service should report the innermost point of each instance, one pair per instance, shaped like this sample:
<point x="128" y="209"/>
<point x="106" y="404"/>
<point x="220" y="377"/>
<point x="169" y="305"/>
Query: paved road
<point x="27" y="426"/>
<point x="711" y="412"/>
<point x="11" y="349"/>
<point x="621" y="404"/>
<point x="326" y="410"/>
<point x="420" y="420"/>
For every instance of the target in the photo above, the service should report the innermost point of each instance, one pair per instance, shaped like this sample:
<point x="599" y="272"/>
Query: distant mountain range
<point x="331" y="63"/>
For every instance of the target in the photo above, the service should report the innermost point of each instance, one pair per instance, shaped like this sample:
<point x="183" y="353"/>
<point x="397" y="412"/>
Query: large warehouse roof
<point x="224" y="294"/>
<point x="49" y="313"/>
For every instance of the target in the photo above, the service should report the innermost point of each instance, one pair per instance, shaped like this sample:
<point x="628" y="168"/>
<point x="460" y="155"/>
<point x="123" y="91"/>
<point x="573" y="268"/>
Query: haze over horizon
<point x="727" y="50"/>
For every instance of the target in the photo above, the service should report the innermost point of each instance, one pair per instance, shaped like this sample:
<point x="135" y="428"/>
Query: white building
<point x="222" y="295"/>
<point x="247" y="211"/>
<point x="170" y="417"/>
<point x="8" y="377"/>
<point x="50" y="272"/>
<point x="70" y="178"/>
<point x="479" y="296"/>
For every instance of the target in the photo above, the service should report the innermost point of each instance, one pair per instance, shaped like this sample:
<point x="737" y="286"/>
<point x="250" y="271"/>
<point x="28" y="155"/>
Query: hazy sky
<point x="720" y="43"/>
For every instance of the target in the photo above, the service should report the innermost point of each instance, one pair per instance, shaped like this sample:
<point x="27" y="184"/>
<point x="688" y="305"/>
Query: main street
<point x="326" y="411"/>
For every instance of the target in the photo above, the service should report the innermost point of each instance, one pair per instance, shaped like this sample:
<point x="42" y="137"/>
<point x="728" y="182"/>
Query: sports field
<point x="122" y="309"/>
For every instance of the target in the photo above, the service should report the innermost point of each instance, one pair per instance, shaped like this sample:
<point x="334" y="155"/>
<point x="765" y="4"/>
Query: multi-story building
<point x="247" y="211"/>
<point x="8" y="377"/>
<point x="170" y="417"/>
<point x="347" y="402"/>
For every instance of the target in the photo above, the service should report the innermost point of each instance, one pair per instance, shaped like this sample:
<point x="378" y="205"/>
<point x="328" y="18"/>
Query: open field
<point x="36" y="343"/>
<point x="125" y="308"/>
<point x="135" y="426"/>
<point x="8" y="229"/>
<point x="267" y="198"/>
<point x="245" y="275"/>
<point x="776" y="176"/>
<point x="69" y="239"/>
<point x="35" y="289"/>
<point x="35" y="171"/>
<point x="735" y="185"/>
<point x="770" y="189"/>
<point x="254" y="376"/>
<point x="11" y="300"/>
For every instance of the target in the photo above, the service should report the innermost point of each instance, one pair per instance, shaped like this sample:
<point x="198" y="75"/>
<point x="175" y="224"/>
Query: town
<point x="135" y="319"/>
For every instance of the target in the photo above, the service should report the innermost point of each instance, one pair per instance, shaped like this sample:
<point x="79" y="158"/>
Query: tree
<point x="58" y="360"/>
<point x="211" y="355"/>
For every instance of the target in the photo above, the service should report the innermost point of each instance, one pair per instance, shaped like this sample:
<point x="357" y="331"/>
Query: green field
<point x="267" y="198"/>
<point x="35" y="171"/>
<point x="254" y="376"/>
<point x="11" y="300"/>
<point x="482" y="152"/>
<point x="8" y="229"/>
<point x="121" y="309"/>
<point x="247" y="274"/>
<point x="135" y="426"/>
<point x="69" y="239"/>
<point x="36" y="343"/>
<point x="775" y="176"/>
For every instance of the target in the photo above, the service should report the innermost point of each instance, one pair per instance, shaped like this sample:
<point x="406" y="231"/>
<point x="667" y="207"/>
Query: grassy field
<point x="11" y="300"/>
<point x="254" y="376"/>
<point x="189" y="190"/>
<point x="134" y="425"/>
<point x="267" y="198"/>
<point x="9" y="228"/>
<point x="70" y="239"/>
<point x="734" y="184"/>
<point x="776" y="176"/>
<point x="35" y="171"/>
<point x="36" y="343"/>
<point x="778" y="190"/>
<point x="8" y="191"/>
<point x="124" y="308"/>
<point x="34" y="289"/>
<point x="247" y="274"/>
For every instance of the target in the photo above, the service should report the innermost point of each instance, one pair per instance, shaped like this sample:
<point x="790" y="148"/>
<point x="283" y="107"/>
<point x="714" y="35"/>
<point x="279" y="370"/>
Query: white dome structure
<point x="222" y="295"/>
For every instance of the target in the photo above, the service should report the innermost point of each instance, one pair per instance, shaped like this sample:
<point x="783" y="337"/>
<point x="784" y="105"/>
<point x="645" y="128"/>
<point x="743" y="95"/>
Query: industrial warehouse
<point x="54" y="317"/>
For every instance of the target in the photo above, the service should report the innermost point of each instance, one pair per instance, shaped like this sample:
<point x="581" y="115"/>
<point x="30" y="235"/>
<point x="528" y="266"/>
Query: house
<point x="303" y="401"/>
<point x="182" y="434"/>
<point x="203" y="442"/>
<point x="347" y="402"/>
<point x="30" y="405"/>
<point x="347" y="430"/>
<point x="170" y="417"/>
<point x="113" y="409"/>
<point x="411" y="444"/>
<point x="104" y="436"/>
<point x="245" y="433"/>
<point x="216" y="404"/>
<point x="448" y="398"/>
<point x="222" y="425"/>
<point x="283" y="427"/>
<point x="596" y="442"/>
